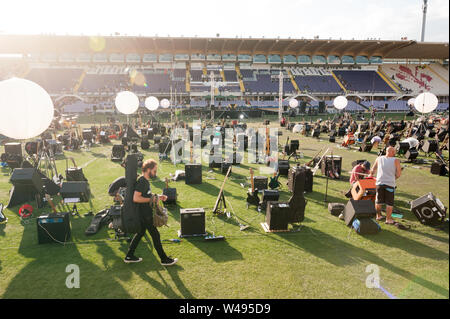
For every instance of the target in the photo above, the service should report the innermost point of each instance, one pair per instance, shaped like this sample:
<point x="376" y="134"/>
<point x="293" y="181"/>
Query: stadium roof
<point x="405" y="49"/>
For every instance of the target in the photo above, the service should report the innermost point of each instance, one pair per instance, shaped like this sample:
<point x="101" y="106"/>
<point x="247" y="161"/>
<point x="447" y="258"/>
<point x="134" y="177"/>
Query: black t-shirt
<point x="145" y="209"/>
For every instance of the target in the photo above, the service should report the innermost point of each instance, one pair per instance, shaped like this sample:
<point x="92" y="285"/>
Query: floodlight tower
<point x="211" y="77"/>
<point x="424" y="19"/>
<point x="280" y="96"/>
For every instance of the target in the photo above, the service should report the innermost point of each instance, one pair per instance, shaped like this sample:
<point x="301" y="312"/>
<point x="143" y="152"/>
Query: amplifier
<point x="224" y="167"/>
<point x="315" y="133"/>
<point x="293" y="175"/>
<point x="192" y="221"/>
<point x="359" y="209"/>
<point x="327" y="164"/>
<point x="430" y="146"/>
<point x="269" y="195"/>
<point x="430" y="133"/>
<point x="150" y="133"/>
<point x="118" y="152"/>
<point x="260" y="182"/>
<point x="53" y="228"/>
<point x="215" y="161"/>
<point x="341" y="132"/>
<point x="75" y="174"/>
<point x="27" y="176"/>
<point x="157" y="139"/>
<point x="438" y="168"/>
<point x="366" y="147"/>
<point x="336" y="209"/>
<point x="145" y="144"/>
<point x="332" y="139"/>
<point x="193" y="173"/>
<point x="87" y="134"/>
<point x="283" y="167"/>
<point x="13" y="148"/>
<point x="411" y="154"/>
<point x="171" y="194"/>
<point x="164" y="146"/>
<point x="277" y="215"/>
<point x="402" y="148"/>
<point x="294" y="146"/>
<point x="76" y="190"/>
<point x="429" y="210"/>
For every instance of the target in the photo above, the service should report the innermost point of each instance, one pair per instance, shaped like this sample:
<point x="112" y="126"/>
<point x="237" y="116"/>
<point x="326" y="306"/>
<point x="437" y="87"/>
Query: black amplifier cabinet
<point x="277" y="215"/>
<point x="171" y="194"/>
<point x="429" y="210"/>
<point x="283" y="167"/>
<point x="53" y="228"/>
<point x="260" y="182"/>
<point x="430" y="146"/>
<point x="193" y="173"/>
<point x="438" y="168"/>
<point x="27" y="177"/>
<point x="268" y="195"/>
<point x="359" y="209"/>
<point x="76" y="190"/>
<point x="293" y="174"/>
<point x="327" y="164"/>
<point x="192" y="221"/>
<point x="13" y="148"/>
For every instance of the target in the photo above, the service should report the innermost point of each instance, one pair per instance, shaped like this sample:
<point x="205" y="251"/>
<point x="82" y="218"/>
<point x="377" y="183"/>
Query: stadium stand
<point x="363" y="81"/>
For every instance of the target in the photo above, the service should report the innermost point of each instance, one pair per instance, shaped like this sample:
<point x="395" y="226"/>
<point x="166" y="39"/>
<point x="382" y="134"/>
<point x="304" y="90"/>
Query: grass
<point x="322" y="260"/>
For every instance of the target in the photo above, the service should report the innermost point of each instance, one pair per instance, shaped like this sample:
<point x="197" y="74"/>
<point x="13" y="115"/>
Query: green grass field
<point x="322" y="260"/>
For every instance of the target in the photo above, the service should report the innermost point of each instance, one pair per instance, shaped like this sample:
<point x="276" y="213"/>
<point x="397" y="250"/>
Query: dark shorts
<point x="385" y="195"/>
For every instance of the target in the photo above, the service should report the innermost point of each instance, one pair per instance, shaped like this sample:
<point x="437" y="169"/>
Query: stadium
<point x="79" y="123"/>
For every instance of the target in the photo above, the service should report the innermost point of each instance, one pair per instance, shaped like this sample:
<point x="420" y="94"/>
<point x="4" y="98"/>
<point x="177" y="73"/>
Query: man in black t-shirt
<point x="142" y="197"/>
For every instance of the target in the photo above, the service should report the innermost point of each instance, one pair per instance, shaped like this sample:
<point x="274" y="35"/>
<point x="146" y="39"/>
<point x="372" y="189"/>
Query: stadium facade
<point x="81" y="72"/>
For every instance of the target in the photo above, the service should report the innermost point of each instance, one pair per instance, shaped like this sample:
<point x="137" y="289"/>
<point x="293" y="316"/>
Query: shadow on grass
<point x="341" y="253"/>
<point x="219" y="251"/>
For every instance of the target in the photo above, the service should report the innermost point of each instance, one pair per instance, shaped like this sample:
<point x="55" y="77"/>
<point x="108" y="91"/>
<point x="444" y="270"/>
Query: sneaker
<point x="132" y="259"/>
<point x="169" y="261"/>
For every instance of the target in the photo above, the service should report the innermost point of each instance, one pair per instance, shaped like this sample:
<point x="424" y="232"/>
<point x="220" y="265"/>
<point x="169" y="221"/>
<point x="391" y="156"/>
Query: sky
<point x="358" y="19"/>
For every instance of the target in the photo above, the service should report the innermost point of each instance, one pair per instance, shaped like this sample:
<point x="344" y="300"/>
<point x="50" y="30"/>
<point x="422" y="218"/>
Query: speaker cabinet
<point x="359" y="209"/>
<point x="430" y="146"/>
<point x="13" y="149"/>
<point x="293" y="175"/>
<point x="429" y="210"/>
<point x="328" y="163"/>
<point x="193" y="173"/>
<point x="277" y="215"/>
<point x="27" y="177"/>
<point x="260" y="182"/>
<point x="76" y="190"/>
<point x="283" y="167"/>
<point x="145" y="144"/>
<point x="192" y="221"/>
<point x="171" y="194"/>
<point x="366" y="147"/>
<point x="53" y="228"/>
<point x="411" y="154"/>
<point x="269" y="195"/>
<point x="402" y="148"/>
<point x="438" y="168"/>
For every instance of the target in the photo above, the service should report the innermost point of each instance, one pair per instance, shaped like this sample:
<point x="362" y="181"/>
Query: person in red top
<point x="360" y="171"/>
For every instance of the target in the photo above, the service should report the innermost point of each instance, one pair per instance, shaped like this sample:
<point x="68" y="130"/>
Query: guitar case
<point x="130" y="220"/>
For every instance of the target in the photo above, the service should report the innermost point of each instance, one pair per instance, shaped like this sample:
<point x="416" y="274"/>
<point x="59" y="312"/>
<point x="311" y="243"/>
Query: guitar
<point x="274" y="183"/>
<point x="252" y="195"/>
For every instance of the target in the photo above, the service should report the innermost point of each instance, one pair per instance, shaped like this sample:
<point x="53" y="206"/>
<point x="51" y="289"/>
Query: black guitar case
<point x="99" y="220"/>
<point x="131" y="222"/>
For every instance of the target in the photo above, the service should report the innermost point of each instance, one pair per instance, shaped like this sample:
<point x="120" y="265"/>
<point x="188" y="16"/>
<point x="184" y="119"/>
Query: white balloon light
<point x="426" y="102"/>
<point x="340" y="102"/>
<point x="411" y="101"/>
<point x="26" y="109"/>
<point x="293" y="103"/>
<point x="127" y="102"/>
<point x="165" y="103"/>
<point x="151" y="103"/>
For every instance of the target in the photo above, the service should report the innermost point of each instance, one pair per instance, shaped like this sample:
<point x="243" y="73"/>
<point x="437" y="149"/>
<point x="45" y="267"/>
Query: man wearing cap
<point x="360" y="171"/>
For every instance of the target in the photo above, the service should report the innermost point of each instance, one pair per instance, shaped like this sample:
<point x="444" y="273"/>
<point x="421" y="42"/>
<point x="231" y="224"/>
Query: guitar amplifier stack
<point x="193" y="173"/>
<point x="53" y="228"/>
<point x="192" y="222"/>
<point x="429" y="210"/>
<point x="293" y="174"/>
